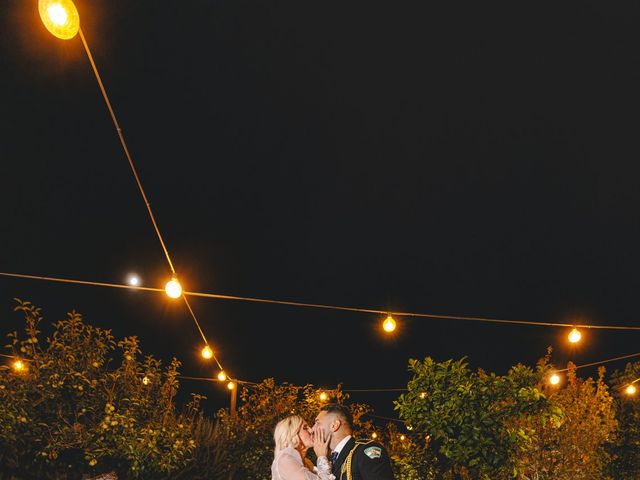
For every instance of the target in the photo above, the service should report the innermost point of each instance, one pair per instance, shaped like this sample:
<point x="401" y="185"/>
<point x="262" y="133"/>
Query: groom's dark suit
<point x="369" y="461"/>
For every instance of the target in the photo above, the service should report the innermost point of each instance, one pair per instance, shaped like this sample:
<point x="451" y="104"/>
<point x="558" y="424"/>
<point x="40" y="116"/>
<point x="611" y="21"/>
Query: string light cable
<point x="325" y="306"/>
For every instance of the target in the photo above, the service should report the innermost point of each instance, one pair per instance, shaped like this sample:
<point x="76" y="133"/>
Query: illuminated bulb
<point x="222" y="376"/>
<point x="630" y="390"/>
<point x="554" y="379"/>
<point x="423" y="395"/>
<point x="173" y="288"/>
<point x="60" y="17"/>
<point x="402" y="438"/>
<point x="145" y="380"/>
<point x="207" y="353"/>
<point x="323" y="396"/>
<point x="18" y="365"/>
<point x="231" y="385"/>
<point x="133" y="280"/>
<point x="374" y="435"/>
<point x="409" y="427"/>
<point x="575" y="336"/>
<point x="389" y="325"/>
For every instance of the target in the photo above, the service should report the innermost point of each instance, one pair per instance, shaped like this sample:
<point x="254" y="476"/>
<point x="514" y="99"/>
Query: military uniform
<point x="362" y="460"/>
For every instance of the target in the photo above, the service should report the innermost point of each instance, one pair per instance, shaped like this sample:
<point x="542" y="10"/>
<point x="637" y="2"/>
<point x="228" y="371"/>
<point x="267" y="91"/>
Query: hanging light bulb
<point x="133" y="280"/>
<point x="423" y="395"/>
<point x="323" y="396"/>
<point x="222" y="376"/>
<point x="145" y="380"/>
<point x="554" y="379"/>
<point x="389" y="324"/>
<point x="374" y="435"/>
<point x="402" y="438"/>
<point x="18" y="366"/>
<point x="231" y="385"/>
<point x="631" y="390"/>
<point x="206" y="352"/>
<point x="173" y="288"/>
<point x="409" y="427"/>
<point x="575" y="336"/>
<point x="60" y="17"/>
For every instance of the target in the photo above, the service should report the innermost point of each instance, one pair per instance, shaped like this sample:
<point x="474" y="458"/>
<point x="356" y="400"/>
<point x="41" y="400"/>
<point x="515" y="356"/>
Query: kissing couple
<point x="340" y="456"/>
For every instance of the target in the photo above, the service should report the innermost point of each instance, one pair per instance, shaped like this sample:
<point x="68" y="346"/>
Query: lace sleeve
<point x="291" y="469"/>
<point x="324" y="469"/>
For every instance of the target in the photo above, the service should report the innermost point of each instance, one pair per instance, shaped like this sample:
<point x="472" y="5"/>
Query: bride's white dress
<point x="288" y="465"/>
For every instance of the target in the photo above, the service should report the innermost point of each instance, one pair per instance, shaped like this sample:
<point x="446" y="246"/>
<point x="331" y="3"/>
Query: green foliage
<point x="71" y="412"/>
<point x="250" y="434"/>
<point x="625" y="450"/>
<point x="470" y="416"/>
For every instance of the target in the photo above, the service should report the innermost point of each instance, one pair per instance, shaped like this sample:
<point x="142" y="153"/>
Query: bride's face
<point x="306" y="437"/>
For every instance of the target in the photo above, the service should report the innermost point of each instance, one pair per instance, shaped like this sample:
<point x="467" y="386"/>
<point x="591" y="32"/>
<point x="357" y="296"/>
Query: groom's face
<point x="324" y="421"/>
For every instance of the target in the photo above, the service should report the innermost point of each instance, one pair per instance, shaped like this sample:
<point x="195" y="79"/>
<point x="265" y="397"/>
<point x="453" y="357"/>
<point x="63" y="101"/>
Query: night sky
<point x="462" y="158"/>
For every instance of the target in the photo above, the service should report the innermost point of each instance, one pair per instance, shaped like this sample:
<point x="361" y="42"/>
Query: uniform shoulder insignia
<point x="373" y="452"/>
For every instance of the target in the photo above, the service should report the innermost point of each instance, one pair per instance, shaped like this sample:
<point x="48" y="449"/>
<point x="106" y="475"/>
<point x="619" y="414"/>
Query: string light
<point x="173" y="288"/>
<point x="133" y="280"/>
<point x="423" y="395"/>
<point x="374" y="435"/>
<point x="60" y="17"/>
<point x="18" y="366"/>
<point x="575" y="336"/>
<point x="323" y="396"/>
<point x="222" y="376"/>
<point x="554" y="379"/>
<point x="231" y="385"/>
<point x="146" y="380"/>
<point x="206" y="352"/>
<point x="630" y="390"/>
<point x="402" y="438"/>
<point x="389" y="325"/>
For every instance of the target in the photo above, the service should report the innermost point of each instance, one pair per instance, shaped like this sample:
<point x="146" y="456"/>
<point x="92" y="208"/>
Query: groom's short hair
<point x="341" y="411"/>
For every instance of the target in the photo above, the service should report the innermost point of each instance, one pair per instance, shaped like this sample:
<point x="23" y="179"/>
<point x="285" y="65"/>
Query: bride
<point x="293" y="438"/>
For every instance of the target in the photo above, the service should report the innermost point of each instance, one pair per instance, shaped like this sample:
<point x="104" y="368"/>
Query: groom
<point x="352" y="460"/>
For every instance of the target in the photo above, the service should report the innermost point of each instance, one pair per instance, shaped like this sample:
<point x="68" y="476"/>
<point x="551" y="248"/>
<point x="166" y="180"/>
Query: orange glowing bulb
<point x="206" y="352"/>
<point x="173" y="288"/>
<point x="60" y="17"/>
<point x="18" y="365"/>
<point x="231" y="385"/>
<point x="323" y="396"/>
<point x="374" y="435"/>
<point x="389" y="325"/>
<point x="222" y="376"/>
<point x="575" y="336"/>
<point x="630" y="390"/>
<point x="554" y="379"/>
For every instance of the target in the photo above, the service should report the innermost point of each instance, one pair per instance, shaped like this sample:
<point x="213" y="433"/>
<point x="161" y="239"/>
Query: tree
<point x="571" y="444"/>
<point x="71" y="412"/>
<point x="470" y="416"/>
<point x="625" y="451"/>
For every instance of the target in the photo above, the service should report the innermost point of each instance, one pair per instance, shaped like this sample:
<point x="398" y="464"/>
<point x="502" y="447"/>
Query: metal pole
<point x="234" y="401"/>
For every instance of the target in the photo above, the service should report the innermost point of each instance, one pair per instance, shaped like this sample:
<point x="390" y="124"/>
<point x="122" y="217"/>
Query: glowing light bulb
<point x="222" y="376"/>
<point x="323" y="396"/>
<point x="409" y="427"/>
<point x="575" y="336"/>
<point x="389" y="325"/>
<point x="173" y="288"/>
<point x="402" y="438"/>
<point x="145" y="380"/>
<point x="133" y="280"/>
<point x="374" y="435"/>
<point x="630" y="390"/>
<point x="206" y="352"/>
<point x="60" y="17"/>
<point x="231" y="385"/>
<point x="554" y="379"/>
<point x="423" y="395"/>
<point x="18" y="366"/>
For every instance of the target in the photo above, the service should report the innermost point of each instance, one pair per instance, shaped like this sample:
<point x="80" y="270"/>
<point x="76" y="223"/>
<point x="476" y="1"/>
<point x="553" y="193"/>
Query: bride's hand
<point x="321" y="443"/>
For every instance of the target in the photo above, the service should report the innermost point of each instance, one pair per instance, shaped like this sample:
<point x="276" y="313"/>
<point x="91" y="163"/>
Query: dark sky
<point x="464" y="158"/>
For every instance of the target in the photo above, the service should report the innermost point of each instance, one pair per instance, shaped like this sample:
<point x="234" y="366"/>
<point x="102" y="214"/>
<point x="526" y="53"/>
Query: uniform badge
<point x="373" y="452"/>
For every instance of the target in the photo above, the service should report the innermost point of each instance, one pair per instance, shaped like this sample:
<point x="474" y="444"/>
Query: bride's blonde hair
<point x="286" y="433"/>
